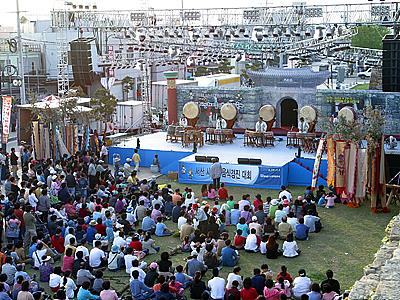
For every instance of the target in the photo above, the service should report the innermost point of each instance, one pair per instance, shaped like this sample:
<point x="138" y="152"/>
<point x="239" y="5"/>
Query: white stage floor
<point x="227" y="153"/>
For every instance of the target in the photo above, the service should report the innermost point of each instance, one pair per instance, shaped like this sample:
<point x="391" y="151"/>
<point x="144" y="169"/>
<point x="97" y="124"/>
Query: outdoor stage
<point x="279" y="166"/>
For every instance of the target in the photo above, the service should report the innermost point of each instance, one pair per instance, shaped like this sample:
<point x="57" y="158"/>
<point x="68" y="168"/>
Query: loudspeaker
<point x="211" y="158"/>
<point x="81" y="61"/>
<point x="200" y="158"/>
<point x="391" y="63"/>
<point x="255" y="161"/>
<point x="243" y="161"/>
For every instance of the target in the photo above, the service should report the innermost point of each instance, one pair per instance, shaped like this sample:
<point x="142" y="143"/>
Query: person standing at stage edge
<point x="136" y="159"/>
<point x="215" y="173"/>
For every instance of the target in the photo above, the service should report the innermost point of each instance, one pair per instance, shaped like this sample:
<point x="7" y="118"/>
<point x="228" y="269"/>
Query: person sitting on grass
<point x="235" y="214"/>
<point x="322" y="200"/>
<point x="284" y="228"/>
<point x="223" y="192"/>
<point x="312" y="221"/>
<point x="302" y="230"/>
<point x="182" y="277"/>
<point x="233" y="292"/>
<point x="330" y="200"/>
<point x="290" y="248"/>
<point x="273" y="251"/>
<point x="161" y="228"/>
<point x="270" y="291"/>
<point x="248" y="292"/>
<point x="301" y="284"/>
<point x="148" y="224"/>
<point x="139" y="290"/>
<point x="239" y="240"/>
<point x="333" y="282"/>
<point x="252" y="242"/>
<point x="229" y="256"/>
<point x="243" y="227"/>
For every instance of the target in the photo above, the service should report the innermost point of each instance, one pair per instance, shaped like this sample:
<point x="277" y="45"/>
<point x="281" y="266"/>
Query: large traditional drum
<point x="229" y="113"/>
<point x="267" y="112"/>
<point x="309" y="114"/>
<point x="348" y="113"/>
<point x="191" y="111"/>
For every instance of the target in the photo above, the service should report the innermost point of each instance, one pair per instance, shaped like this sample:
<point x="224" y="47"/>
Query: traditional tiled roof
<point x="297" y="77"/>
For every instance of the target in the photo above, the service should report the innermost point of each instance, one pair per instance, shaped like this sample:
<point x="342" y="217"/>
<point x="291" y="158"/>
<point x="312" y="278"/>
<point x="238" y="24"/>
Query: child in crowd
<point x="230" y="202"/>
<point x="239" y="240"/>
<point x="204" y="192"/>
<point x="222" y="192"/>
<point x="322" y="200"/>
<point x="211" y="193"/>
<point x="263" y="244"/>
<point x="330" y="200"/>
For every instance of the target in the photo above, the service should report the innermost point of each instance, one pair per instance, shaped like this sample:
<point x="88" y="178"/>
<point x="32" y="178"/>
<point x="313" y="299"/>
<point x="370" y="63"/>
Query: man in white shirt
<point x="97" y="256"/>
<point x="119" y="240"/>
<point x="38" y="255"/>
<point x="82" y="248"/>
<point x="135" y="267"/>
<point x="286" y="193"/>
<point x="235" y="275"/>
<point x="221" y="123"/>
<point x="251" y="242"/>
<point x="310" y="220"/>
<point x="216" y="286"/>
<point x="301" y="284"/>
<point x="261" y="126"/>
<point x="303" y="126"/>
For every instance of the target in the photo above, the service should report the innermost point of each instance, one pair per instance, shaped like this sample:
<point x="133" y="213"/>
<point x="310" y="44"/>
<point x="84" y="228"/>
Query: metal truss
<point x="386" y="13"/>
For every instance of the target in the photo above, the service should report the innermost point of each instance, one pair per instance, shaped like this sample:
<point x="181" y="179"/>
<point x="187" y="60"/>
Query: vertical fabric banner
<point x="340" y="166"/>
<point x="382" y="176"/>
<point x="6" y="117"/>
<point x="317" y="162"/>
<point x="61" y="146"/>
<point x="351" y="165"/>
<point x="330" y="155"/>
<point x="362" y="172"/>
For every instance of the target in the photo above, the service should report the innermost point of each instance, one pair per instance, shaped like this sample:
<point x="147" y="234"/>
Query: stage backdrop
<point x="246" y="175"/>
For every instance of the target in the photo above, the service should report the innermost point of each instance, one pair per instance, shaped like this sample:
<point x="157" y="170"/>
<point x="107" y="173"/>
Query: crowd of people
<point x="73" y="221"/>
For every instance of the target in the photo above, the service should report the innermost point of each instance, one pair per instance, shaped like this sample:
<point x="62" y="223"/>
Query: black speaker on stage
<point x="211" y="158"/>
<point x="255" y="161"/>
<point x="391" y="63"/>
<point x="200" y="158"/>
<point x="243" y="161"/>
<point x="81" y="61"/>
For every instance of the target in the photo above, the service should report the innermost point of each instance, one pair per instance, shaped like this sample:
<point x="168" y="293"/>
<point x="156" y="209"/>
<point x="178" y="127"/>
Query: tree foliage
<point x="225" y="67"/>
<point x="369" y="126"/>
<point x="103" y="105"/>
<point x="369" y="36"/>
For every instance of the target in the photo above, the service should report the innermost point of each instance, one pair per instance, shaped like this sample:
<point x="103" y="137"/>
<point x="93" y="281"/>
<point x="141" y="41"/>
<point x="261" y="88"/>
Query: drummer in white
<point x="183" y="121"/>
<point x="261" y="126"/>
<point x="303" y="126"/>
<point x="221" y="123"/>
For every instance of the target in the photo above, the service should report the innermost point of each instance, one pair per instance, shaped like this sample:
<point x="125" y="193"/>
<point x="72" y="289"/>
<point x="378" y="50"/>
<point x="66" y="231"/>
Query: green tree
<point x="225" y="67"/>
<point x="103" y="106"/>
<point x="127" y="86"/>
<point x="369" y="36"/>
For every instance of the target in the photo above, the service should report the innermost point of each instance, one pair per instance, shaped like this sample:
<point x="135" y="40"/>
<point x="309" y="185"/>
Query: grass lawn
<point x="361" y="86"/>
<point x="346" y="244"/>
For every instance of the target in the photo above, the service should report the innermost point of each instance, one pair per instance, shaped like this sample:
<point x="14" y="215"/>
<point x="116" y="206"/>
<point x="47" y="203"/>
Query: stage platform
<point x="279" y="166"/>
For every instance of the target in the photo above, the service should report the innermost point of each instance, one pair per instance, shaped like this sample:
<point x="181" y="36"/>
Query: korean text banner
<point x="195" y="172"/>
<point x="6" y="115"/>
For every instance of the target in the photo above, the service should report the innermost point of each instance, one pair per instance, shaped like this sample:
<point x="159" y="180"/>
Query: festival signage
<point x="257" y="176"/>
<point x="6" y="116"/>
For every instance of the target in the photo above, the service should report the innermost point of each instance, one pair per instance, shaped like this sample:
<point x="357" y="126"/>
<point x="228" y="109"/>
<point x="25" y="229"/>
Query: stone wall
<point x="248" y="100"/>
<point x="381" y="278"/>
